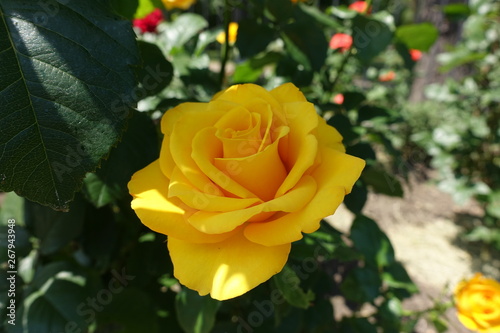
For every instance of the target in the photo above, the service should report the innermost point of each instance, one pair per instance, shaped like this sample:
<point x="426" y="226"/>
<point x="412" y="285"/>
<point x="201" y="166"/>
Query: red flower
<point x="149" y="22"/>
<point x="415" y="54"/>
<point x="389" y="76"/>
<point x="338" y="99"/>
<point x="360" y="7"/>
<point x="341" y="41"/>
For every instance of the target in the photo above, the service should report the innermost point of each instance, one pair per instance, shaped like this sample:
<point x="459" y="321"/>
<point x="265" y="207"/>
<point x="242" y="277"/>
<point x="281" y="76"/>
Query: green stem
<point x="226" y="46"/>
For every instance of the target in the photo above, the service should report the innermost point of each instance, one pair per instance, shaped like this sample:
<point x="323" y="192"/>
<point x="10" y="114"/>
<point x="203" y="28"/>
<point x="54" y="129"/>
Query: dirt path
<point x="425" y="228"/>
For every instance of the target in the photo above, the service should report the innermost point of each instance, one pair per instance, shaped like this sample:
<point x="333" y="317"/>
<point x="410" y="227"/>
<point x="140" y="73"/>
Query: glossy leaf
<point x="54" y="229"/>
<point x="370" y="37"/>
<point x="253" y="37"/>
<point x="382" y="182"/>
<point x="288" y="284"/>
<point x="54" y="301"/>
<point x="372" y="242"/>
<point x="138" y="148"/>
<point x="64" y="106"/>
<point x="195" y="313"/>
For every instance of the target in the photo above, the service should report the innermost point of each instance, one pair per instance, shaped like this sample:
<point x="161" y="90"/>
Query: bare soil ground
<point x="426" y="229"/>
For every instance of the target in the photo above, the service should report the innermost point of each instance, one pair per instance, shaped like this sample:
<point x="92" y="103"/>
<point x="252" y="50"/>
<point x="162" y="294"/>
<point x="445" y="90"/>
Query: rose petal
<point x="335" y="177"/>
<point x="329" y="136"/>
<point x="288" y="93"/>
<point x="167" y="216"/>
<point x="226" y="269"/>
<point x="261" y="173"/>
<point x="185" y="129"/>
<point x="206" y="147"/>
<point x="234" y="141"/>
<point x="207" y="200"/>
<point x="300" y="150"/>
<point x="217" y="222"/>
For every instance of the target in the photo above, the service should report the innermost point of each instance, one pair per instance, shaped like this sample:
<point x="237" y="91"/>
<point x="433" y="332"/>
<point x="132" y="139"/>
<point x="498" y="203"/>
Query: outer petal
<point x="226" y="269"/>
<point x="335" y="177"/>
<point x="206" y="201"/>
<point x="287" y="93"/>
<point x="300" y="151"/>
<point x="167" y="216"/>
<point x="219" y="222"/>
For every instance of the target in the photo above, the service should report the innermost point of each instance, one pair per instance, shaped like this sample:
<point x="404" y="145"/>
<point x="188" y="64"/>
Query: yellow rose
<point x="233" y="33"/>
<point x="238" y="180"/>
<point x="478" y="304"/>
<point x="181" y="4"/>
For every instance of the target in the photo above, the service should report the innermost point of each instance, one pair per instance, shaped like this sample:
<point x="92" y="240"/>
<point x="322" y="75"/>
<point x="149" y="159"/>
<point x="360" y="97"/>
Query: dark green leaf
<point x="129" y="311"/>
<point x="419" y="36"/>
<point x="253" y="37"/>
<point x="382" y="182"/>
<point x="288" y="284"/>
<point x="390" y="313"/>
<point x="66" y="90"/>
<point x="361" y="285"/>
<point x="125" y="8"/>
<point x="156" y="71"/>
<point x="356" y="200"/>
<point x="372" y="242"/>
<point x="362" y="150"/>
<point x="306" y="43"/>
<point x="344" y="126"/>
<point x="370" y="37"/>
<point x="368" y="112"/>
<point x="195" y="313"/>
<point x="56" y="300"/>
<point x="138" y="148"/>
<point x="54" y="229"/>
<point x="280" y="10"/>
<point x="352" y="99"/>
<point x="395" y="276"/>
<point x="320" y="17"/>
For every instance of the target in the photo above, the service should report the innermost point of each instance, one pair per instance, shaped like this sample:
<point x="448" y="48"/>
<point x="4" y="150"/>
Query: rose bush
<point x="238" y="180"/>
<point x="478" y="304"/>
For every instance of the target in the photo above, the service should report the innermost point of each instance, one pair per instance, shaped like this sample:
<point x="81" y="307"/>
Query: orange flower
<point x="360" y="7"/>
<point x="415" y="54"/>
<point x="338" y="99"/>
<point x="295" y="1"/>
<point x="341" y="41"/>
<point x="389" y="76"/>
<point x="478" y="304"/>
<point x="233" y="34"/>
